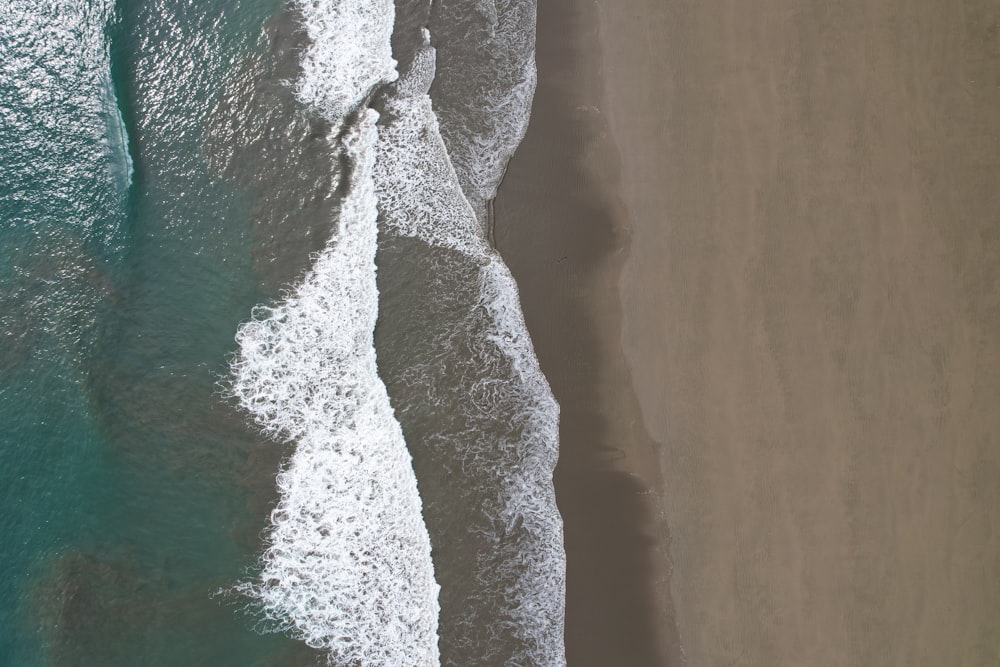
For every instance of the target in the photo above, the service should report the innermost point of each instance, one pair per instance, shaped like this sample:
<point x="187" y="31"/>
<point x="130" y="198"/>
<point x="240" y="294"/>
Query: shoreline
<point x="758" y="259"/>
<point x="567" y="253"/>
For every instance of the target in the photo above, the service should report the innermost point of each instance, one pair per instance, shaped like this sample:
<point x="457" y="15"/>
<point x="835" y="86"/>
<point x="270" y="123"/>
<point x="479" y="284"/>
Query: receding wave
<point x="484" y="87"/>
<point x="495" y="427"/>
<point x="348" y="568"/>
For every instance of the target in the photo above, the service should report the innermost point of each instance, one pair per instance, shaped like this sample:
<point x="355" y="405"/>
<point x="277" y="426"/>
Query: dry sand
<point x="758" y="243"/>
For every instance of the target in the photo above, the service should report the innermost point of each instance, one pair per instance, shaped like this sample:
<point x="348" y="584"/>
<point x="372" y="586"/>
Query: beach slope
<point x="758" y="246"/>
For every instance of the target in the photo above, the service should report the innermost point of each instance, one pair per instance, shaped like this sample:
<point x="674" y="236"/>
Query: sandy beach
<point x="758" y="246"/>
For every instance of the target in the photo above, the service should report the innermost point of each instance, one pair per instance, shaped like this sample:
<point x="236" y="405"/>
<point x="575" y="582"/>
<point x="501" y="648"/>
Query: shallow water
<point x="168" y="173"/>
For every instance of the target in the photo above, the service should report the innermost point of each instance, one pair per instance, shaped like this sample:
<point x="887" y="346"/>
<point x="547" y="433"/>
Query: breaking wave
<point x="348" y="568"/>
<point x="348" y="564"/>
<point x="349" y="54"/>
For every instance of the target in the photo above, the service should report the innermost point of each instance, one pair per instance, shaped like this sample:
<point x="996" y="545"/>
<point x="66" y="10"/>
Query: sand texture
<point x="759" y="244"/>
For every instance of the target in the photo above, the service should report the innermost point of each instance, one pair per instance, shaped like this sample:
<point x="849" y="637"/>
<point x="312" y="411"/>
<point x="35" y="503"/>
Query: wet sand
<point x="561" y="227"/>
<point x="759" y="252"/>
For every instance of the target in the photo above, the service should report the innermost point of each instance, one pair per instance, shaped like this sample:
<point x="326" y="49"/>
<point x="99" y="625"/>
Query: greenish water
<point x="132" y="490"/>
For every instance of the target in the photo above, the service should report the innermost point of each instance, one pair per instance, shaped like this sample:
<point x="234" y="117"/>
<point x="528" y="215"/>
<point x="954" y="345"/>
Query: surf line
<point x="347" y="568"/>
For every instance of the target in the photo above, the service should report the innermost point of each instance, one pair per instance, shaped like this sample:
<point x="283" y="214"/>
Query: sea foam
<point x="350" y="53"/>
<point x="505" y="439"/>
<point x="347" y="568"/>
<point x="348" y="565"/>
<point x="484" y="88"/>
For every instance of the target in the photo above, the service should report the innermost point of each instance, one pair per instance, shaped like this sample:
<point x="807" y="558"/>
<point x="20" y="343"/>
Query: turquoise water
<point x="132" y="490"/>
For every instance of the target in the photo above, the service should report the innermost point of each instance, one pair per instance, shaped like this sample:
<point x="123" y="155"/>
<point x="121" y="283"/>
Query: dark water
<point x="166" y="172"/>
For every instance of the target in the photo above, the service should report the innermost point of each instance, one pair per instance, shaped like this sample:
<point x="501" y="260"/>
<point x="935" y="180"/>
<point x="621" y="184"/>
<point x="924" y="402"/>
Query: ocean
<point x="268" y="393"/>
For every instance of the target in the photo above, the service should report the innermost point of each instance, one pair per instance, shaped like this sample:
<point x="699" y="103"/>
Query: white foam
<point x="483" y="130"/>
<point x="515" y="416"/>
<point x="348" y="566"/>
<point x="349" y="53"/>
<point x="537" y="577"/>
<point x="412" y="159"/>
